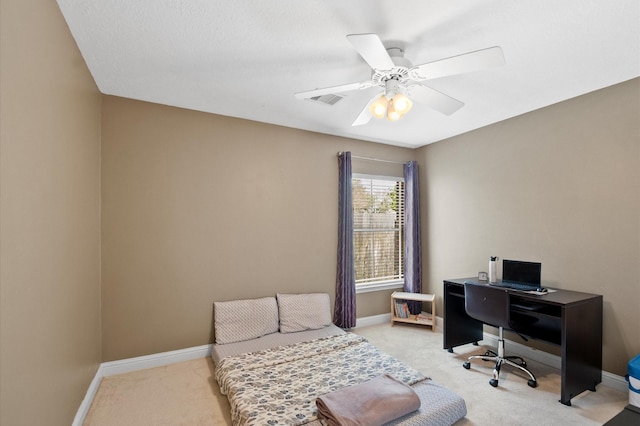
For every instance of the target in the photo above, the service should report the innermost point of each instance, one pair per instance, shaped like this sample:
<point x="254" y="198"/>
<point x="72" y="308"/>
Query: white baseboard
<point x="614" y="381"/>
<point x="83" y="410"/>
<point x="134" y="364"/>
<point x="154" y="360"/>
<point x="373" y="320"/>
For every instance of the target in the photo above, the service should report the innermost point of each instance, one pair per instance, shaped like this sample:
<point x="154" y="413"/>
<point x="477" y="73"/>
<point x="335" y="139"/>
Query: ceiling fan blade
<point x="468" y="62"/>
<point x="333" y="90"/>
<point x="372" y="50"/>
<point x="365" y="115"/>
<point x="433" y="99"/>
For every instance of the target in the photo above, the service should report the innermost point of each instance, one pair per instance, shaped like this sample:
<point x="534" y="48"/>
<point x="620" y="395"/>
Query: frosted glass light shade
<point x="402" y="104"/>
<point x="379" y="107"/>
<point x="392" y="113"/>
<point x="398" y="106"/>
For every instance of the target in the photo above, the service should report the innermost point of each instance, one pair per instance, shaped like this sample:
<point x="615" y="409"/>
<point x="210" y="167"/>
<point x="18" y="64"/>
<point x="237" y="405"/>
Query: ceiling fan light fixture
<point x="392" y="113"/>
<point x="398" y="106"/>
<point x="402" y="104"/>
<point x="379" y="107"/>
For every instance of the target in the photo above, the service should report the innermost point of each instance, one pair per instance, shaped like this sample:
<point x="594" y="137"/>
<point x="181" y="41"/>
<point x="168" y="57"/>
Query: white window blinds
<point x="378" y="228"/>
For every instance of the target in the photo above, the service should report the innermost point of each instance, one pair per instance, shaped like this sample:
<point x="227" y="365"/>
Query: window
<point x="378" y="231"/>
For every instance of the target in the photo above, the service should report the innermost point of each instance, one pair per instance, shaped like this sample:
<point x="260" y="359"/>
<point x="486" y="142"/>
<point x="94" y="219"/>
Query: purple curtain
<point x="412" y="248"/>
<point x="344" y="313"/>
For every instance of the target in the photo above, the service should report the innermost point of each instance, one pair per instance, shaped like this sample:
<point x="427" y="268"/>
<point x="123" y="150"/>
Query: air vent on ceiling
<point x="326" y="99"/>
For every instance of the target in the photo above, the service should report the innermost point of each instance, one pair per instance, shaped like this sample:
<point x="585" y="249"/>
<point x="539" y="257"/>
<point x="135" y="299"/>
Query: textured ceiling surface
<point x="246" y="59"/>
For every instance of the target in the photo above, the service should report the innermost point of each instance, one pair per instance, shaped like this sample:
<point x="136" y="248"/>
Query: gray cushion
<point x="299" y="312"/>
<point x="239" y="320"/>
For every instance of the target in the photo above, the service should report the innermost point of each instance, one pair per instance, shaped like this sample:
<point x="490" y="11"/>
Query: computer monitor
<point x="519" y="271"/>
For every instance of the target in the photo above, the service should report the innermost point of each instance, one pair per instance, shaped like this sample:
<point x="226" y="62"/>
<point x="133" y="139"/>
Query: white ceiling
<point x="246" y="59"/>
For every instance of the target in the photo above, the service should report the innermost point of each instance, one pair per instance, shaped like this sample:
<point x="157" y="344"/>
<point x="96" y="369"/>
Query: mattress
<point x="279" y="384"/>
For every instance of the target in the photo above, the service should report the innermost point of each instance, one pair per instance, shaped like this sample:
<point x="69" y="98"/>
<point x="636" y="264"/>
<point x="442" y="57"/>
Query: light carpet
<point x="186" y="393"/>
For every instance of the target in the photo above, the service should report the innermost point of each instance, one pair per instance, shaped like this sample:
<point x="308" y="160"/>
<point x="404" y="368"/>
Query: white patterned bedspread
<point x="280" y="385"/>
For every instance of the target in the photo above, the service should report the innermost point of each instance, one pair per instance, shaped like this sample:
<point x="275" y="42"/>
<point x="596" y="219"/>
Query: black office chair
<point x="491" y="306"/>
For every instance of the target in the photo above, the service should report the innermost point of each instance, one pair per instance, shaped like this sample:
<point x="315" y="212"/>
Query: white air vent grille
<point x="327" y="99"/>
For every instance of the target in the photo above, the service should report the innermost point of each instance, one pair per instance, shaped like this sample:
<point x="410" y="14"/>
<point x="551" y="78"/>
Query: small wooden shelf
<point x="414" y="319"/>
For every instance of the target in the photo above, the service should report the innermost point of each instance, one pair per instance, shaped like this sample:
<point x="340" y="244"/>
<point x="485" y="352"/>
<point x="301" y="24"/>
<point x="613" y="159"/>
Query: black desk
<point x="570" y="319"/>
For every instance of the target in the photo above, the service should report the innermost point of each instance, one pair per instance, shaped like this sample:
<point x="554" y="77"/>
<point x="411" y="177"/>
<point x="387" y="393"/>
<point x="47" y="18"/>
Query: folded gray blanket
<point x="371" y="403"/>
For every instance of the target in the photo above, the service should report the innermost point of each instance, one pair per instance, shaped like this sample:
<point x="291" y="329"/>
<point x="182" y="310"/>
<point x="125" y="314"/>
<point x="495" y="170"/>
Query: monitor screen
<point x="521" y="272"/>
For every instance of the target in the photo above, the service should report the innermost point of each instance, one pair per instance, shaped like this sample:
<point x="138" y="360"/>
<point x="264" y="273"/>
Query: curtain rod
<point x="375" y="159"/>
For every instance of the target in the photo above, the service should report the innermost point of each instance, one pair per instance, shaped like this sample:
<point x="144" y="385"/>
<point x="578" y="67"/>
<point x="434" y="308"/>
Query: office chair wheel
<point x="532" y="383"/>
<point x="494" y="382"/>
<point x="467" y="365"/>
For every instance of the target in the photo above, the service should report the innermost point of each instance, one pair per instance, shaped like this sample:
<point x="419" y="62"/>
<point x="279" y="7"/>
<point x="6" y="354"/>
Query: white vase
<point x="493" y="277"/>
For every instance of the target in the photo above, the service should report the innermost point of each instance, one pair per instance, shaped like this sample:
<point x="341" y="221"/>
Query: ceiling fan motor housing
<point x="391" y="79"/>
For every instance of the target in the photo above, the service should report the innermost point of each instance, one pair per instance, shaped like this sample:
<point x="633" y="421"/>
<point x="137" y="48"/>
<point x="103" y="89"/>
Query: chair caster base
<point x="494" y="383"/>
<point x="467" y="365"/>
<point x="532" y="383"/>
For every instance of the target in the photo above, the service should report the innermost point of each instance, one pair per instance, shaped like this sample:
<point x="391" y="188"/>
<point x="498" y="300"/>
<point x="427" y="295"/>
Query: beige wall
<point x="198" y="208"/>
<point x="559" y="185"/>
<point x="49" y="218"/>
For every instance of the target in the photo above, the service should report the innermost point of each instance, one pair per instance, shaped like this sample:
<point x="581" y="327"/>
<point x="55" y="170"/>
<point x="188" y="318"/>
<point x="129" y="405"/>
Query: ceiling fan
<point x="402" y="82"/>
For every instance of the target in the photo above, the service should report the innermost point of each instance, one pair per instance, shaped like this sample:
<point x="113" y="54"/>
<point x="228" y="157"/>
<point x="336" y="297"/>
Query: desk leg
<point x="581" y="349"/>
<point x="459" y="328"/>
